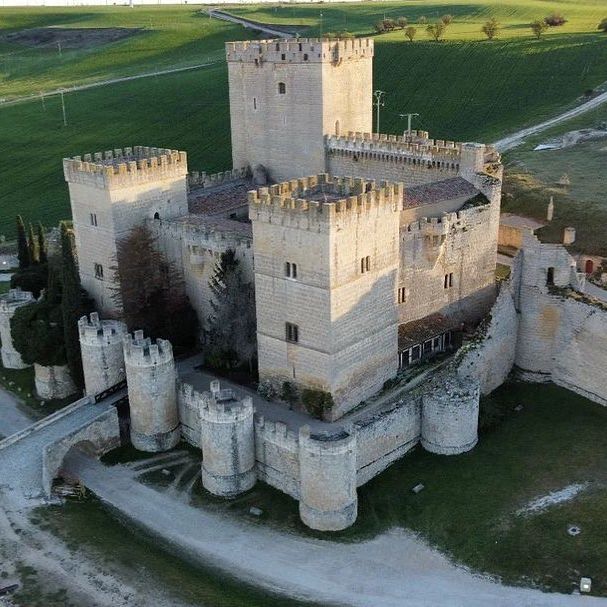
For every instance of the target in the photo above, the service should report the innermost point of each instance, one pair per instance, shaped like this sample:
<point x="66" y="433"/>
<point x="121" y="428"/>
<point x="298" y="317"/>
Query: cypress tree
<point x="32" y="245"/>
<point x="75" y="303"/>
<point x="23" y="250"/>
<point x="42" y="253"/>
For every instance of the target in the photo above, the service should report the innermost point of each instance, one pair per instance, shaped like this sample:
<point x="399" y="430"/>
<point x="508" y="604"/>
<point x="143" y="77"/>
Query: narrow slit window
<point x="282" y="88"/>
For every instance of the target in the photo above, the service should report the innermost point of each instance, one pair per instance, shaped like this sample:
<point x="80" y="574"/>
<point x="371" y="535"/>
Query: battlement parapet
<point x="299" y="50"/>
<point x="13" y="299"/>
<point x="94" y="331"/>
<point x="200" y="179"/>
<point x="277" y="433"/>
<point x="124" y="167"/>
<point x="335" y="442"/>
<point x="140" y="351"/>
<point x="417" y="146"/>
<point x="436" y="226"/>
<point x="324" y="198"/>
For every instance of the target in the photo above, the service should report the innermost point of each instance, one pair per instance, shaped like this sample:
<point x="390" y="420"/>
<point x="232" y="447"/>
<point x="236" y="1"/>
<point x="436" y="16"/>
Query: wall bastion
<point x="328" y="500"/>
<point x="102" y="352"/>
<point x="151" y="381"/>
<point x="53" y="382"/>
<point x="9" y="303"/>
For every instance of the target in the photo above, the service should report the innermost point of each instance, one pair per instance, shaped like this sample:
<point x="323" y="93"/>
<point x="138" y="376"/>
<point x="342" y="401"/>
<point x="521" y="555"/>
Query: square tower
<point x="326" y="256"/>
<point x="110" y="193"/>
<point x="286" y="95"/>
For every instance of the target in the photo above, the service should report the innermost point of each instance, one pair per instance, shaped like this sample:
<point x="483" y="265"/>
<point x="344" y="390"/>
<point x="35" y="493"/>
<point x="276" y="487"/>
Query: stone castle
<point x="368" y="253"/>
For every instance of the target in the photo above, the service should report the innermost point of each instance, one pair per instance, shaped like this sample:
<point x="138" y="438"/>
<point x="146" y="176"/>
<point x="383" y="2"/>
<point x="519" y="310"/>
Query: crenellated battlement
<point x="13" y="299"/>
<point x="324" y="198"/>
<point x="277" y="433"/>
<point x="124" y="167"/>
<point x="141" y="352"/>
<point x="299" y="50"/>
<point x="447" y="222"/>
<point x="335" y="442"/>
<point x="94" y="331"/>
<point x="221" y="406"/>
<point x="417" y="148"/>
<point x="197" y="179"/>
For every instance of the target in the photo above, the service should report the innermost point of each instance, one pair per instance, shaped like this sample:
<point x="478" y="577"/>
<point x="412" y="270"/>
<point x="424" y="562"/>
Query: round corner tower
<point x="450" y="416"/>
<point x="228" y="442"/>
<point x="327" y="464"/>
<point x="151" y="380"/>
<point x="9" y="303"/>
<point x="102" y="352"/>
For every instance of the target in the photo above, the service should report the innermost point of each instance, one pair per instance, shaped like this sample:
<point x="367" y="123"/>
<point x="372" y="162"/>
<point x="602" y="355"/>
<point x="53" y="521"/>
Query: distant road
<point x="516" y="139"/>
<point x="263" y="28"/>
<point x="93" y="85"/>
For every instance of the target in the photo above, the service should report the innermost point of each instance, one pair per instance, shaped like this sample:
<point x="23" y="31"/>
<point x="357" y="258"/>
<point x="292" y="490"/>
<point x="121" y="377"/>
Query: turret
<point x="450" y="416"/>
<point x="102" y="352"/>
<point x="327" y="464"/>
<point x="151" y="380"/>
<point x="9" y="303"/>
<point x="228" y="442"/>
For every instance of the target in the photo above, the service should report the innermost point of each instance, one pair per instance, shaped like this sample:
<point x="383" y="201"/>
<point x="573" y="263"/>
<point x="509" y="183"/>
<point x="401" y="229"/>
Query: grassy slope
<point x="531" y="179"/>
<point x="169" y="37"/>
<point x="465" y="88"/>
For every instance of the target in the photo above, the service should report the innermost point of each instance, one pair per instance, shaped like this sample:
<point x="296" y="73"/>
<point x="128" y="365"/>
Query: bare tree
<point x="436" y="31"/>
<point x="490" y="28"/>
<point x="410" y="33"/>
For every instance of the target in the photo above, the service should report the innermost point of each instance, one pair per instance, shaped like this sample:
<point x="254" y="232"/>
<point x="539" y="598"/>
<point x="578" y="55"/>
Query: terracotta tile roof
<point x="220" y="199"/>
<point x="418" y="331"/>
<point x="448" y="189"/>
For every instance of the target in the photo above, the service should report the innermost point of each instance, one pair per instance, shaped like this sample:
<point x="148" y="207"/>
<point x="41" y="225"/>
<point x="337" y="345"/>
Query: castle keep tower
<point x="326" y="262"/>
<point x="9" y="302"/>
<point x="110" y="193"/>
<point x="102" y="354"/>
<point x="286" y="95"/>
<point x="228" y="442"/>
<point x="150" y="375"/>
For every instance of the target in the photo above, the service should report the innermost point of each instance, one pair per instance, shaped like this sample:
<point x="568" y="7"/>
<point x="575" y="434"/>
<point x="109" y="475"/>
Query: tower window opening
<point x="156" y="215"/>
<point x="283" y="57"/>
<point x="282" y="88"/>
<point x="94" y="219"/>
<point x="291" y="332"/>
<point x="300" y="46"/>
<point x="448" y="282"/>
<point x="305" y="56"/>
<point x="365" y="264"/>
<point x="98" y="271"/>
<point x="290" y="270"/>
<point x="254" y="103"/>
<point x="402" y="295"/>
<point x="550" y="276"/>
<point x="277" y="46"/>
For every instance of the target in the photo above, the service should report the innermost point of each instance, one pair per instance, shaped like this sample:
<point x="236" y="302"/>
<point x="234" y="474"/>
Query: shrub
<point x="603" y="25"/>
<point x="410" y="33"/>
<point x="436" y="31"/>
<point x="555" y="20"/>
<point x="289" y="392"/>
<point x="490" y="28"/>
<point x="379" y="27"/>
<point x="402" y="22"/>
<point x="33" y="278"/>
<point x="316" y="402"/>
<point x="422" y="20"/>
<point x="447" y="19"/>
<point x="538" y="28"/>
<point x="389" y="24"/>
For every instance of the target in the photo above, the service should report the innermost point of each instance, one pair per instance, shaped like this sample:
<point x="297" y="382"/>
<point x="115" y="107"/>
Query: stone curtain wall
<point x="488" y="359"/>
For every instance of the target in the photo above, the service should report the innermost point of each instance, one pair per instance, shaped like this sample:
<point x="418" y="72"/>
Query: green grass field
<point x="465" y="88"/>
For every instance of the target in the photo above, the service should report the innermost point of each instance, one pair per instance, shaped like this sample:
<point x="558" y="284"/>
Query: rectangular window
<point x="93" y="219"/>
<point x="448" y="282"/>
<point x="291" y="332"/>
<point x="365" y="264"/>
<point x="550" y="276"/>
<point x="254" y="103"/>
<point x="98" y="271"/>
<point x="283" y="57"/>
<point x="290" y="270"/>
<point x="402" y="295"/>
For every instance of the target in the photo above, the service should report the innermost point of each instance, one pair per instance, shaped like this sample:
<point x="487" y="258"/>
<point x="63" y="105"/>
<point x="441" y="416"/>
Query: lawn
<point x="465" y="88"/>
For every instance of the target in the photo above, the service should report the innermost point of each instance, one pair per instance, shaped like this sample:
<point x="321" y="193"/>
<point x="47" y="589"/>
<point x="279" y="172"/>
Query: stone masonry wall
<point x="9" y="302"/>
<point x="489" y="358"/>
<point x="53" y="382"/>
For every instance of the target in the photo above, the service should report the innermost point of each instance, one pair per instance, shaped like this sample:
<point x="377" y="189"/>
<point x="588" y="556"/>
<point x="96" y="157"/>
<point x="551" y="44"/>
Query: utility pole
<point x="409" y="117"/>
<point x="42" y="99"/>
<point x="59" y="47"/>
<point x="63" y="110"/>
<point x="320" y="26"/>
<point x="379" y="102"/>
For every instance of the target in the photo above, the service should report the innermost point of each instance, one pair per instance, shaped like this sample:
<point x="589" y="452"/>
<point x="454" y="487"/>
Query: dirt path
<point x="264" y="29"/>
<point x="516" y="139"/>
